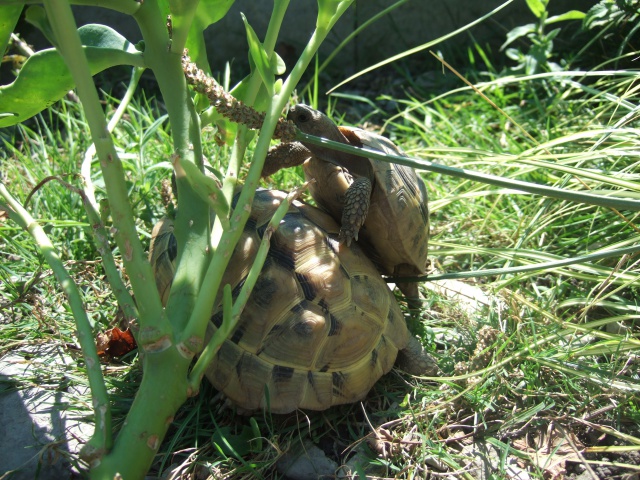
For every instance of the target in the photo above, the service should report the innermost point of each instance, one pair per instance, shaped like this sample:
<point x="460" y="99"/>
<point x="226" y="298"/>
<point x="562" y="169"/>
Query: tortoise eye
<point x="303" y="117"/>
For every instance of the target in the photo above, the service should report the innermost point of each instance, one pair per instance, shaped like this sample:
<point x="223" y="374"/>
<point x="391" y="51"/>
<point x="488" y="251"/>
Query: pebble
<point x="306" y="462"/>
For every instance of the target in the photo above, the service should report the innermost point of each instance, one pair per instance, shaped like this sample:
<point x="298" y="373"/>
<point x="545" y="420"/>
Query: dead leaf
<point x="4" y="215"/>
<point x="551" y="452"/>
<point x="115" y="342"/>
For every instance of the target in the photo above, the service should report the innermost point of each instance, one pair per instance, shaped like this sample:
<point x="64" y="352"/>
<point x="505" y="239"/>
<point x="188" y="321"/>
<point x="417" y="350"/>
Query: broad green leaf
<point x="227" y="130"/>
<point x="570" y="15"/>
<point x="278" y="66"/>
<point x="207" y="13"/>
<point x="45" y="79"/>
<point x="550" y="36"/>
<point x="101" y="36"/>
<point x="210" y="11"/>
<point x="240" y="90"/>
<point x="514" y="54"/>
<point x="259" y="57"/>
<point x="263" y="98"/>
<point x="328" y="12"/>
<point x="537" y="7"/>
<point x="36" y="16"/>
<point x="9" y="15"/>
<point x="327" y="9"/>
<point x="518" y="32"/>
<point x="601" y="14"/>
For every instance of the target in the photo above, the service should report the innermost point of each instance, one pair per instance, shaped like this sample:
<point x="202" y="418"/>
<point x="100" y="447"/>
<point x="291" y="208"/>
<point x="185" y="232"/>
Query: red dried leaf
<point x="115" y="342"/>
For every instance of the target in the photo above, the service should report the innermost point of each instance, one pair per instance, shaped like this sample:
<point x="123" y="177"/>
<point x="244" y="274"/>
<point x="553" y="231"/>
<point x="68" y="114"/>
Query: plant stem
<point x="101" y="440"/>
<point x="163" y="388"/>
<point x="121" y="292"/>
<point x="230" y="319"/>
<point x="162" y="391"/>
<point x="85" y="169"/>
<point x="192" y="228"/>
<point x="134" y="257"/>
<point x="241" y="141"/>
<point x="123" y="6"/>
<point x="211" y="284"/>
<point x="420" y="164"/>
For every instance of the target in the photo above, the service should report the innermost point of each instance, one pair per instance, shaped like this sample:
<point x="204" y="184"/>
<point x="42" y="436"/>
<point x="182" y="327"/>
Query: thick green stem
<point x="240" y="144"/>
<point x="133" y="255"/>
<point x="101" y="440"/>
<point x="120" y="290"/>
<point x="162" y="390"/>
<point x="164" y="387"/>
<point x="85" y="169"/>
<point x="192" y="220"/>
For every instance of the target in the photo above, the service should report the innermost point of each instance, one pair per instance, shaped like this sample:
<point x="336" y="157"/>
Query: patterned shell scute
<point x="320" y="327"/>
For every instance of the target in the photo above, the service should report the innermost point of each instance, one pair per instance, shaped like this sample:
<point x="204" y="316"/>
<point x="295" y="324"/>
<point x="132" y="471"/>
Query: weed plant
<point x="540" y="372"/>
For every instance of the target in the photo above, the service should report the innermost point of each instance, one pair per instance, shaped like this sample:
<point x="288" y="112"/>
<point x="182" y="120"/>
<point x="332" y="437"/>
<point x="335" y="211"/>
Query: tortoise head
<point x="313" y="122"/>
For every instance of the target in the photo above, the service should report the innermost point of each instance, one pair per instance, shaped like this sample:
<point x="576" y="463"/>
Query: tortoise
<point x="384" y="204"/>
<point x="320" y="326"/>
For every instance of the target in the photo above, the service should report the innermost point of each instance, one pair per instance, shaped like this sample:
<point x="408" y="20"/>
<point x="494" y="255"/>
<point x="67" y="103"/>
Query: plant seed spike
<point x="229" y="106"/>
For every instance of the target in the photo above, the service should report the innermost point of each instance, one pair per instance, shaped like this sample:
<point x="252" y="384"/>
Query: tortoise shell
<point x="396" y="230"/>
<point x="320" y="327"/>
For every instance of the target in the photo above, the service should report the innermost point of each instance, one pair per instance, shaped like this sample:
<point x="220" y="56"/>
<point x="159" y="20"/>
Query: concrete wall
<point x="412" y="24"/>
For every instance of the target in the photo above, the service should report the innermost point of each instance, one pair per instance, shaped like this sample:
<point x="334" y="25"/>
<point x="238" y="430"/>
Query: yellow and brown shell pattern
<point x="320" y="327"/>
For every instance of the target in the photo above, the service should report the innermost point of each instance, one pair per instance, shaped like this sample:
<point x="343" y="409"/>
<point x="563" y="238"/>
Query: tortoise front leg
<point x="285" y="155"/>
<point x="356" y="207"/>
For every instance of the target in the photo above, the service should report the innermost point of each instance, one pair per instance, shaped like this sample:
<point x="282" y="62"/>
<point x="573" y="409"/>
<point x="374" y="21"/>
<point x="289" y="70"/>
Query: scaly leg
<point x="412" y="294"/>
<point x="356" y="207"/>
<point x="285" y="155"/>
<point x="414" y="359"/>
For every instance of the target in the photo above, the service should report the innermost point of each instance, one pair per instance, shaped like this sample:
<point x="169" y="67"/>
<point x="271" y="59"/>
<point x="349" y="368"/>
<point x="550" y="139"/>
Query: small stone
<point x="483" y="459"/>
<point x="360" y="462"/>
<point x="306" y="462"/>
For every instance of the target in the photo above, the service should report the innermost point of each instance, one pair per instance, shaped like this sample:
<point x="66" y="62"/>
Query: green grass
<point x="551" y="360"/>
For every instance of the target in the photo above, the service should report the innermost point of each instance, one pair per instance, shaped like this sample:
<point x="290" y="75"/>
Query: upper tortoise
<point x="320" y="326"/>
<point x="381" y="205"/>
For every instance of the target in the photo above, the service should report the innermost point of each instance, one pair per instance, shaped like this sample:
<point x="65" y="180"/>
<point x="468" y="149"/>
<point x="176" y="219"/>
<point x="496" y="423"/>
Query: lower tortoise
<point x="320" y="327"/>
